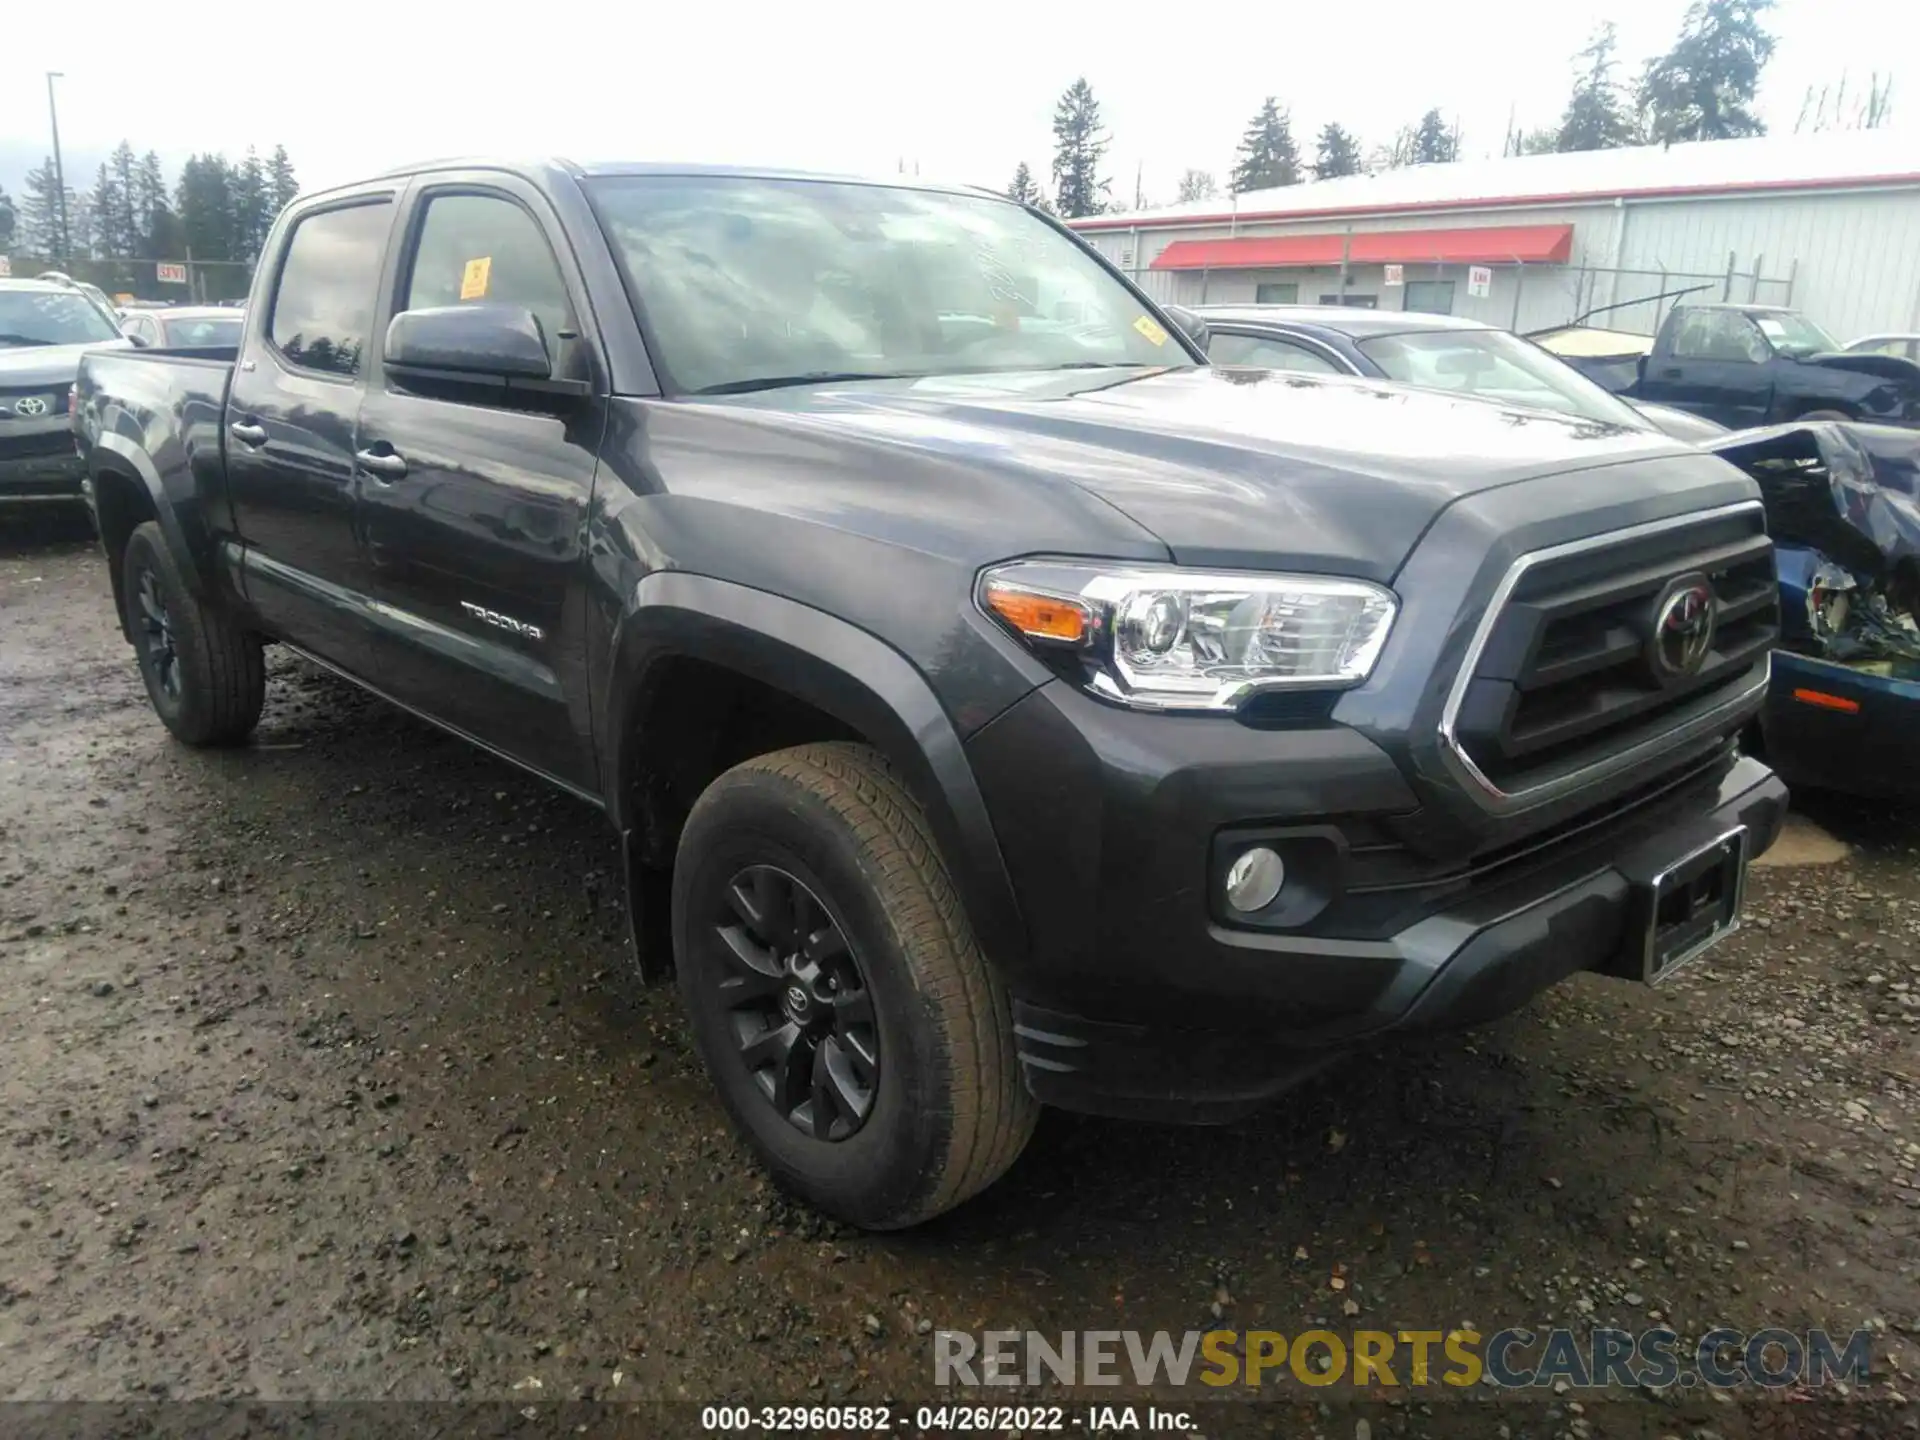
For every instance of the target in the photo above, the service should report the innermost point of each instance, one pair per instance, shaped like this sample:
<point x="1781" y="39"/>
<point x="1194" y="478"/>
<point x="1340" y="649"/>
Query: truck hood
<point x="26" y="365"/>
<point x="1882" y="367"/>
<point x="1229" y="468"/>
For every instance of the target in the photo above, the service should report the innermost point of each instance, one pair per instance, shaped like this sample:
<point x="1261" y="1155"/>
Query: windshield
<point x="51" y="317"/>
<point x="746" y="282"/>
<point x="203" y="330"/>
<point x="1496" y="366"/>
<point x="1792" y="334"/>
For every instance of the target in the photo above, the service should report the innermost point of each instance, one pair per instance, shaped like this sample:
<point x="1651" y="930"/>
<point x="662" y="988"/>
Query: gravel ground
<point x="326" y="1078"/>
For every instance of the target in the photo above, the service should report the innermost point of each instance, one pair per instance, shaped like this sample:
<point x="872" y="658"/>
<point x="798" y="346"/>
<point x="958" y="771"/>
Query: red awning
<point x="1492" y="245"/>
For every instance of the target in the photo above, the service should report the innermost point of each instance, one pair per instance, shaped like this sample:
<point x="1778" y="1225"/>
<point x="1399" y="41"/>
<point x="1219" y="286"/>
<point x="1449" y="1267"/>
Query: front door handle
<point x="1672" y="372"/>
<point x="382" y="464"/>
<point x="248" y="434"/>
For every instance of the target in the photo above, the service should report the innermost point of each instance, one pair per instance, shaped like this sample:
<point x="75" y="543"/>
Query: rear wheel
<point x="204" y="674"/>
<point x="860" y="1041"/>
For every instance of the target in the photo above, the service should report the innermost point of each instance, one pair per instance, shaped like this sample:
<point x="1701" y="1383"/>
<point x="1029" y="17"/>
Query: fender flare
<point x="840" y="670"/>
<point x="136" y="463"/>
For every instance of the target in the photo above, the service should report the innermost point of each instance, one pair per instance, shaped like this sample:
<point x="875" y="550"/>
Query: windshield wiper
<point x="7" y="338"/>
<point x="812" y="377"/>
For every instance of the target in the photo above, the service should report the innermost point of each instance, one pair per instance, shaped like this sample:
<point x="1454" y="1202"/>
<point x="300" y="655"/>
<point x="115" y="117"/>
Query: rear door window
<point x="323" y="302"/>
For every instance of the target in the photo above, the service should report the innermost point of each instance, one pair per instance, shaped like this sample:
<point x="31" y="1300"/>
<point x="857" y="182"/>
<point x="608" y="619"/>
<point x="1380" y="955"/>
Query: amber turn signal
<point x="1040" y="617"/>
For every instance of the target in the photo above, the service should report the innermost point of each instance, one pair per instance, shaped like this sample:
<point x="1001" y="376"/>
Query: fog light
<point x="1254" y="879"/>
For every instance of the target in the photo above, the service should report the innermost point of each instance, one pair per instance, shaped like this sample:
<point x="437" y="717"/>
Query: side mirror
<point x="485" y="340"/>
<point x="134" y="340"/>
<point x="1190" y="325"/>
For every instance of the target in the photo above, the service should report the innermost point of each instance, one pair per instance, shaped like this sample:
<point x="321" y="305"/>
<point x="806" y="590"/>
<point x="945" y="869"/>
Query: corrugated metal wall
<point x="1853" y="259"/>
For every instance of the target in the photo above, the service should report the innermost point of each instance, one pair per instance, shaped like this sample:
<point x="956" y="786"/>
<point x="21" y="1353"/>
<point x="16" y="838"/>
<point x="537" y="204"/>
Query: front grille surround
<point x="1531" y="769"/>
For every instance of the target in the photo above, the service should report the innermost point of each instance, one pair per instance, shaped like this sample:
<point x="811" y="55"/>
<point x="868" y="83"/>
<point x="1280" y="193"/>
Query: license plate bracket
<point x="1692" y="904"/>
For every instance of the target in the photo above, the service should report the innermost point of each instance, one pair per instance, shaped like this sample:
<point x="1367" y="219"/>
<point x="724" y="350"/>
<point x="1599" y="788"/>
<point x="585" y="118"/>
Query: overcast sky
<point x="964" y="91"/>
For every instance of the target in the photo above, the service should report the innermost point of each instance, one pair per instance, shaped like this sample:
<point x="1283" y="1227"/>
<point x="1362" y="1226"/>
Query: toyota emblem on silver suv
<point x="31" y="406"/>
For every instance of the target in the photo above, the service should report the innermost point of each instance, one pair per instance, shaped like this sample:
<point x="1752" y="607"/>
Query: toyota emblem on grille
<point x="1683" y="623"/>
<point x="31" y="406"/>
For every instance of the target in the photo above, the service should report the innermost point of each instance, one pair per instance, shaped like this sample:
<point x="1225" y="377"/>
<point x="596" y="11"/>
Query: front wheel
<point x="860" y="1041"/>
<point x="205" y="675"/>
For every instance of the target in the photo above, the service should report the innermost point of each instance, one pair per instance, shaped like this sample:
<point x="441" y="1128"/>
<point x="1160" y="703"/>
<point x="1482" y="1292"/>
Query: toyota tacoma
<point x="998" y="706"/>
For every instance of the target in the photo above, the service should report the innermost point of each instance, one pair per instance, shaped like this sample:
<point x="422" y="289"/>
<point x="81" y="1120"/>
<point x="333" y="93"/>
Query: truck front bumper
<point x="1146" y="1004"/>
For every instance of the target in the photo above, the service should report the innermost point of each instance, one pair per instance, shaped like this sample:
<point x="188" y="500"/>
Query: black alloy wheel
<point x="156" y="636"/>
<point x="797" y="1003"/>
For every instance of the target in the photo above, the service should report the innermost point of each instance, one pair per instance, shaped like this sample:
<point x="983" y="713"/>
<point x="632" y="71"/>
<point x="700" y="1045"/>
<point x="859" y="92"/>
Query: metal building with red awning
<point x="1826" y="223"/>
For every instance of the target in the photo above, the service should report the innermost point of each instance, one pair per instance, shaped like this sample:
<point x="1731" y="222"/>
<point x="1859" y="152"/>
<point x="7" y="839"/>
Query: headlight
<point x="1162" y="638"/>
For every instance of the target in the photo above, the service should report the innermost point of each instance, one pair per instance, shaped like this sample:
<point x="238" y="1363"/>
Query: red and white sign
<point x="168" y="273"/>
<point x="1479" y="281"/>
<point x="1396" y="275"/>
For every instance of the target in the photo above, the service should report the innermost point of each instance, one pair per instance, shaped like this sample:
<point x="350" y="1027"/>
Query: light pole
<point x="59" y="172"/>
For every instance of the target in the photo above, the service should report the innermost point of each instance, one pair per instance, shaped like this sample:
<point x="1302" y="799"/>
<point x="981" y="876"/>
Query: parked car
<point x="193" y="327"/>
<point x="1752" y="365"/>
<point x="1439" y="352"/>
<point x="44" y="329"/>
<point x="994" y="713"/>
<point x="1905" y="346"/>
<point x="66" y="282"/>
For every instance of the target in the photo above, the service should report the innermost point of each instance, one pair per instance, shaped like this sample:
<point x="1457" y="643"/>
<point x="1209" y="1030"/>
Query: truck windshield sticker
<point x="473" y="280"/>
<point x="1151" y="328"/>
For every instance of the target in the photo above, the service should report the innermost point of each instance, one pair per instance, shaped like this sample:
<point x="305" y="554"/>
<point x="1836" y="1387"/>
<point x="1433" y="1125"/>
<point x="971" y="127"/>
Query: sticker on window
<point x="473" y="280"/>
<point x="1770" y="327"/>
<point x="1152" y="329"/>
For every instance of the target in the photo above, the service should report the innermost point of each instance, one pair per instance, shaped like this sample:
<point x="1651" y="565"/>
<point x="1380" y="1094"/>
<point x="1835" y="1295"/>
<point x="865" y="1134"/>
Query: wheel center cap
<point x="799" y="1004"/>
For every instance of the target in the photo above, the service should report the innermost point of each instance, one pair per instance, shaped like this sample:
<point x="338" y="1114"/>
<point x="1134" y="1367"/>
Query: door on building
<point x="1429" y="297"/>
<point x="1277" y="292"/>
<point x="1357" y="302"/>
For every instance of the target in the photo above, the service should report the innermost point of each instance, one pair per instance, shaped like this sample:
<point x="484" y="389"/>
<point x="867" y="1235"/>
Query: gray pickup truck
<point x="998" y="705"/>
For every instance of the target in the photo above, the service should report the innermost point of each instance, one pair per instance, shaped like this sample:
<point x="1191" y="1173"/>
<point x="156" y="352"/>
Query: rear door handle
<point x="248" y="434"/>
<point x="382" y="464"/>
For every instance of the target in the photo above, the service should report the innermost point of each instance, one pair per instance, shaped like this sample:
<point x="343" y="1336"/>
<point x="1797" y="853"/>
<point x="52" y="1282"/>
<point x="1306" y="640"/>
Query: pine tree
<point x="1338" y="154"/>
<point x="1703" y="88"/>
<point x="1433" y="142"/>
<point x="282" y="187"/>
<point x="251" y="217"/>
<point x="204" y="201"/>
<point x="1023" y="190"/>
<point x="39" y="222"/>
<point x="1196" y="185"/>
<point x="117" y="231"/>
<point x="1268" y="156"/>
<point x="1596" y="117"/>
<point x="7" y="220"/>
<point x="1077" y="148"/>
